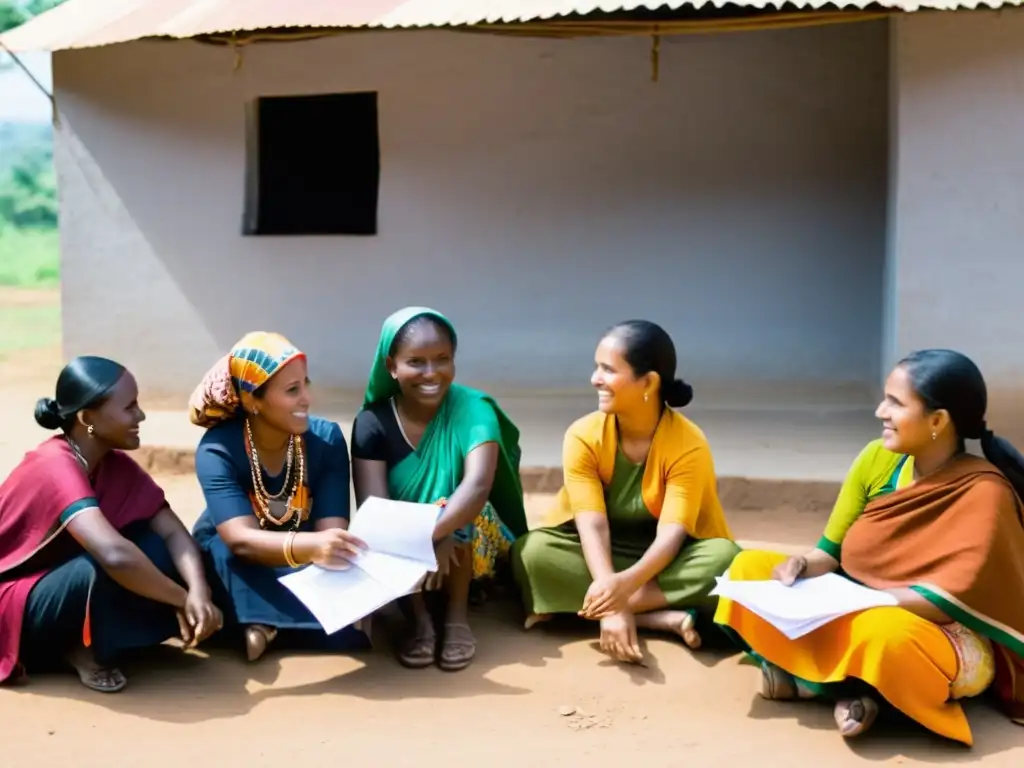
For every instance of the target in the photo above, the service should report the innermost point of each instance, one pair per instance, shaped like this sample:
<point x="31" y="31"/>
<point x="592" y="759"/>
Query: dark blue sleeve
<point x="226" y="499"/>
<point x="329" y="486"/>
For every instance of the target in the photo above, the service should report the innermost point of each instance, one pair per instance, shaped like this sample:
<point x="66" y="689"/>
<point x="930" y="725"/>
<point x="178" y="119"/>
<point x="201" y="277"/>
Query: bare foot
<point x="258" y="638"/>
<point x="855" y="716"/>
<point x="94" y="676"/>
<point x="679" y="623"/>
<point x="536" y="618"/>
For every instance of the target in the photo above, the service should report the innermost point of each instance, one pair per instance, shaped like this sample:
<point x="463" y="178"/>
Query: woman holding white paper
<point x="938" y="529"/>
<point x="276" y="482"/>
<point x="637" y="534"/>
<point x="422" y="438"/>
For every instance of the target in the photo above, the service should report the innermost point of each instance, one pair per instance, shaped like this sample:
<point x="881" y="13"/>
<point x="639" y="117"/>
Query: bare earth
<point x="545" y="697"/>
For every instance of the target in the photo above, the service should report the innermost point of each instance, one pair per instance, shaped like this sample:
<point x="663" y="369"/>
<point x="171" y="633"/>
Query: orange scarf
<point x="955" y="537"/>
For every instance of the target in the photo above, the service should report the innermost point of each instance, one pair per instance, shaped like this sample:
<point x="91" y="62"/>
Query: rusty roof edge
<point x="57" y="27"/>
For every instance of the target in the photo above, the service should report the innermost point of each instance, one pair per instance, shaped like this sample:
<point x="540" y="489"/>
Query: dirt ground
<point x="547" y="696"/>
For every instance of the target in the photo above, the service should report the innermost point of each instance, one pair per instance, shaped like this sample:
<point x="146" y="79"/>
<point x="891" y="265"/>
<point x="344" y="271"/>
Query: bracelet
<point x="289" y="555"/>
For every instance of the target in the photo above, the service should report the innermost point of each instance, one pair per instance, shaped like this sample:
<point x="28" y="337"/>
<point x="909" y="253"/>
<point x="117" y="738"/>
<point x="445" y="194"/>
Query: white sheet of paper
<point x="807" y="605"/>
<point x="400" y="552"/>
<point x="337" y="598"/>
<point x="398" y="573"/>
<point x="398" y="528"/>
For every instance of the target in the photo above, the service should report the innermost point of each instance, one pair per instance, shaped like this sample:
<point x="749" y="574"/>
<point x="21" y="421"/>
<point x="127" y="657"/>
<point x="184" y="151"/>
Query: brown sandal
<point x="855" y="717"/>
<point x="257" y="639"/>
<point x="458" y="649"/>
<point x="418" y="650"/>
<point x="777" y="685"/>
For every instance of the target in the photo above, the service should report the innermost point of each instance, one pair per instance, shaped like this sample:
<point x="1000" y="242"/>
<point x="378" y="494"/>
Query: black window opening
<point x="312" y="165"/>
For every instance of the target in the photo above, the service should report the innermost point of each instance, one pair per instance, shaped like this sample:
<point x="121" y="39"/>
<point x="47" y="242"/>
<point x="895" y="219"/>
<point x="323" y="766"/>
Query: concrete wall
<point x="536" y="191"/>
<point x="958" y="227"/>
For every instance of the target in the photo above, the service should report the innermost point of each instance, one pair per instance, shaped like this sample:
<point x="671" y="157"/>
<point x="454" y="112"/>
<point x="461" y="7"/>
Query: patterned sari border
<point x="73" y="510"/>
<point x="960" y="611"/>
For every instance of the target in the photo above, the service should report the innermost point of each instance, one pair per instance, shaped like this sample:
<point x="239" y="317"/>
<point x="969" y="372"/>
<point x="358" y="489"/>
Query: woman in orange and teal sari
<point x="93" y="561"/>
<point x="937" y="528"/>
<point x="421" y="437"/>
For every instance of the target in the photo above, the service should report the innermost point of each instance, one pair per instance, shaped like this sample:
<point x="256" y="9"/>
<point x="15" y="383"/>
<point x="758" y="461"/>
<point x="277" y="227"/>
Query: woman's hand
<point x="791" y="570"/>
<point x="199" y="618"/>
<point x="618" y="638"/>
<point x="606" y="595"/>
<point x="335" y="548"/>
<point x="447" y="555"/>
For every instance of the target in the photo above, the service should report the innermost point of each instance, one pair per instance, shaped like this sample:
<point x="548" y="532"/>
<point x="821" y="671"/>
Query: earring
<point x="91" y="430"/>
<point x="934" y="435"/>
<point x="255" y="411"/>
<point x="646" y="397"/>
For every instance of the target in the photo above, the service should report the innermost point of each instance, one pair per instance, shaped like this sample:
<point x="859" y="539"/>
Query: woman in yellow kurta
<point x="637" y="535"/>
<point x="943" y="533"/>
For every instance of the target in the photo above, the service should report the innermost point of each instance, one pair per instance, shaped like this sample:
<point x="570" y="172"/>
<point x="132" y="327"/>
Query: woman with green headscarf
<point x="422" y="438"/>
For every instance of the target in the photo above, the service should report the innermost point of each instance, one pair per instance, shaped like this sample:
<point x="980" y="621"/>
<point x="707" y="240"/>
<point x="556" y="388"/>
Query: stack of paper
<point x="808" y="604"/>
<point x="400" y="552"/>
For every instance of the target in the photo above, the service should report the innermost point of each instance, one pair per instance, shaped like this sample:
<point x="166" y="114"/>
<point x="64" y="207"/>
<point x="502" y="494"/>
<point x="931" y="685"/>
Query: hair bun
<point x="678" y="394"/>
<point x="48" y="413"/>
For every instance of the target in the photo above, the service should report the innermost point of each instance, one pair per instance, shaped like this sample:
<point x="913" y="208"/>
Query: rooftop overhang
<point x="92" y="23"/>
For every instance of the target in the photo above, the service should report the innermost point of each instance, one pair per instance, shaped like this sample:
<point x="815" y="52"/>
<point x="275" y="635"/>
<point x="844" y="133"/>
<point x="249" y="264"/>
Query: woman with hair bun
<point x="637" y="534"/>
<point x="942" y="532"/>
<point x="92" y="559"/>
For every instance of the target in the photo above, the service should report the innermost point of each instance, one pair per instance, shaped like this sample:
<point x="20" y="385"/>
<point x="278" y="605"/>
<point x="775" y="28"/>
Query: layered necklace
<point x="288" y="504"/>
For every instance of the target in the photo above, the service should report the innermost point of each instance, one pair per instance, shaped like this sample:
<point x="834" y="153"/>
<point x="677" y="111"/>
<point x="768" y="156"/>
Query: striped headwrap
<point x="252" y="362"/>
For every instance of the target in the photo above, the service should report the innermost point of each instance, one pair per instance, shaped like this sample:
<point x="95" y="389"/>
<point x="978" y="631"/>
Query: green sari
<point x="430" y="474"/>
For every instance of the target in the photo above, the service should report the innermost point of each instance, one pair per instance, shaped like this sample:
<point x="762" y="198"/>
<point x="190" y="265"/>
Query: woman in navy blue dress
<point x="276" y="482"/>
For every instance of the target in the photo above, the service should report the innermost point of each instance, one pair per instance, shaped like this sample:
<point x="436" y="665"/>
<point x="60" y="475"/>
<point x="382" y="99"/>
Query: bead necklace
<point x="78" y="453"/>
<point x="292" y="485"/>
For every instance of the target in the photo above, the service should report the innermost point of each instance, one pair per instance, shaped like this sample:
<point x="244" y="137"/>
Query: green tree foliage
<point x="28" y="191"/>
<point x="15" y="12"/>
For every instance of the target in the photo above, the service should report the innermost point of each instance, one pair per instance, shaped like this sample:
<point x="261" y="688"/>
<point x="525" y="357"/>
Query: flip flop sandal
<point x="418" y="651"/>
<point x="104" y="680"/>
<point x="777" y="685"/>
<point x="257" y="639"/>
<point x="458" y="648"/>
<point x="855" y="717"/>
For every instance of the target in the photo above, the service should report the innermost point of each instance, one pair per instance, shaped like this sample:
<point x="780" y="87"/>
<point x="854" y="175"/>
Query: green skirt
<point x="550" y="569"/>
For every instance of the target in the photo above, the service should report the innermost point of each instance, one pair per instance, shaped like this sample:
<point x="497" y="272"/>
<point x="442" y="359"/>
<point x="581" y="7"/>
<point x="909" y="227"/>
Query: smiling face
<point x="284" y="400"/>
<point x="907" y="424"/>
<point x="423" y="363"/>
<point x="116" y="421"/>
<point x="619" y="389"/>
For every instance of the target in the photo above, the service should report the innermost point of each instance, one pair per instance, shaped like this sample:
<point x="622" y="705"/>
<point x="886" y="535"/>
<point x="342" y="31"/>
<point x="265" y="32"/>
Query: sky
<point x="20" y="100"/>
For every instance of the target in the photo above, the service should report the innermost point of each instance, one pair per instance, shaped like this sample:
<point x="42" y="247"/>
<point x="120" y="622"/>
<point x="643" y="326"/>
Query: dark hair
<point x="647" y="347"/>
<point x="950" y="381"/>
<point x="84" y="383"/>
<point x="407" y="330"/>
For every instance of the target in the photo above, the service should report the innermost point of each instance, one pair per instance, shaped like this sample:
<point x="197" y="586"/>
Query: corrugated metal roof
<point x="88" y="23"/>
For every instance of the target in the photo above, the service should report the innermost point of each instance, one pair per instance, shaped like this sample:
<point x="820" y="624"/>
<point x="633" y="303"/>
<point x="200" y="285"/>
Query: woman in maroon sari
<point x="92" y="559"/>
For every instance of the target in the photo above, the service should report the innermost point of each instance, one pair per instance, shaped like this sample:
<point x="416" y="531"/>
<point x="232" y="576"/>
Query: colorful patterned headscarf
<point x="252" y="362"/>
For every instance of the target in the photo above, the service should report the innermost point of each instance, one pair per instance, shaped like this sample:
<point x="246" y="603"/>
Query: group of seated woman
<point x="93" y="562"/>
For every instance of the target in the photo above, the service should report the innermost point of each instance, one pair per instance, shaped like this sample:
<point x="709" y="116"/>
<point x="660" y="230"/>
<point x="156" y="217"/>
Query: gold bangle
<point x="289" y="555"/>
